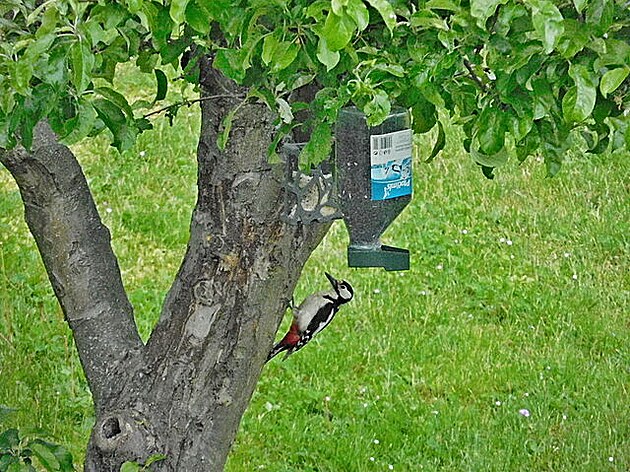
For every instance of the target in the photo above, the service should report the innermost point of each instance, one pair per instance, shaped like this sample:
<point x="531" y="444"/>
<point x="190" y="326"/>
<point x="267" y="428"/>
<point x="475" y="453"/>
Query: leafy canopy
<point x="521" y="77"/>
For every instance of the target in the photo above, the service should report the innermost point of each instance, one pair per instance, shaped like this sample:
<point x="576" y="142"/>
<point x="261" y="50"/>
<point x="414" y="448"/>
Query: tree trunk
<point x="183" y="394"/>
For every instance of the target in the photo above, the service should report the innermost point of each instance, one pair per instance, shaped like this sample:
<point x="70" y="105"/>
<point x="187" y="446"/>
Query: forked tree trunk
<point x="184" y="392"/>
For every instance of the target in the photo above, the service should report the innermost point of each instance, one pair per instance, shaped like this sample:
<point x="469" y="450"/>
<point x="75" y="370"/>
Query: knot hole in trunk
<point x="111" y="428"/>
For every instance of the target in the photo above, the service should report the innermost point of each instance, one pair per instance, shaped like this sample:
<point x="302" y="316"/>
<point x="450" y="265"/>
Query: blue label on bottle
<point x="391" y="164"/>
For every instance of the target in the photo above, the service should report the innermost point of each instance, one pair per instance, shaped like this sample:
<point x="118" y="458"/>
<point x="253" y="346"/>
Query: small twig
<point x="192" y="102"/>
<point x="474" y="76"/>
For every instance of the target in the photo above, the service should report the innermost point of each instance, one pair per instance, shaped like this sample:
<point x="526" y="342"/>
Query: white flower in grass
<point x="108" y="210"/>
<point x="575" y="277"/>
<point x="508" y="242"/>
<point x="372" y="459"/>
<point x="611" y="459"/>
<point x="464" y="231"/>
<point x="567" y="254"/>
<point x="524" y="412"/>
<point x="501" y="240"/>
<point x="390" y="467"/>
<point x="142" y="153"/>
<point x="498" y="403"/>
<point x="377" y="291"/>
<point x="376" y="441"/>
<point x="327" y="398"/>
<point x="439" y="267"/>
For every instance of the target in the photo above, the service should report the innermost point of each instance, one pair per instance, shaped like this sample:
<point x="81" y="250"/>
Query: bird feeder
<point x="374" y="180"/>
<point x="309" y="197"/>
<point x="368" y="184"/>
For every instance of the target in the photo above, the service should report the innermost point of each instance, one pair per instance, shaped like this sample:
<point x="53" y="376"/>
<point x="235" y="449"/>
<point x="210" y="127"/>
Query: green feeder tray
<point x="387" y="257"/>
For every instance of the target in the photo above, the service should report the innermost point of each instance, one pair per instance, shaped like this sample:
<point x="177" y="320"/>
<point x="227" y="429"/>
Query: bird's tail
<point x="289" y="341"/>
<point x="277" y="349"/>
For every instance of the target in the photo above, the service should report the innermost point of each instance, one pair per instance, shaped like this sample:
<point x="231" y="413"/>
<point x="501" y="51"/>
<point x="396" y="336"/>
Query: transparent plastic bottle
<point x="367" y="209"/>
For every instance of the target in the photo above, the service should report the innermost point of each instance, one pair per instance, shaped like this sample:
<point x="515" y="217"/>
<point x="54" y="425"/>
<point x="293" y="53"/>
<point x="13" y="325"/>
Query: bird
<point x="312" y="316"/>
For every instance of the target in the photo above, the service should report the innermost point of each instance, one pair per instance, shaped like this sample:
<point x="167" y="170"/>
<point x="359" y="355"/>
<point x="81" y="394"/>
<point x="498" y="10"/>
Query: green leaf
<point x="337" y="31"/>
<point x="177" y="11"/>
<point x="318" y="147"/>
<point x="231" y="62"/>
<point x="160" y="23"/>
<point x="147" y="60"/>
<point x="574" y="39"/>
<point x="198" y="18"/>
<point x="119" y="100"/>
<point x="424" y="116"/>
<point x="278" y="54"/>
<point x="44" y="455"/>
<point x="154" y="458"/>
<point x="270" y="44"/>
<point x="447" y="5"/>
<point x="612" y="79"/>
<point x="490" y="130"/>
<point x="81" y="125"/>
<point x="130" y="467"/>
<point x="9" y="439"/>
<point x="548" y="23"/>
<point x="484" y="9"/>
<point x="600" y="14"/>
<point x="338" y="5"/>
<point x="22" y="71"/>
<point x="327" y="57"/>
<point x="579" y="101"/>
<point x="579" y="5"/>
<point x="82" y="62"/>
<point x="440" y="142"/>
<point x="553" y="156"/>
<point x="357" y="10"/>
<point x="428" y="19"/>
<point x="377" y="108"/>
<point x="124" y="131"/>
<point x="284" y="109"/>
<point x="386" y="11"/>
<point x="7" y="461"/>
<point x="134" y="6"/>
<point x="172" y="50"/>
<point x="489" y="160"/>
<point x="614" y="52"/>
<point x="162" y="85"/>
<point x="20" y="467"/>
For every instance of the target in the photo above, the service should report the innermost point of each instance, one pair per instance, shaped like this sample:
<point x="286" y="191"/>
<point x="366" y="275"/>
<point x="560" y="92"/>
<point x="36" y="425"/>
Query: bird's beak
<point x="333" y="281"/>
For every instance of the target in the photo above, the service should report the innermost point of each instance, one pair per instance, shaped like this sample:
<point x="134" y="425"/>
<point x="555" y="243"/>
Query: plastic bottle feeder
<point x="374" y="179"/>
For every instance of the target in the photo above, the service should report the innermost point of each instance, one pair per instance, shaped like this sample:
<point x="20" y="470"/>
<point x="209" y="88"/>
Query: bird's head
<point x="342" y="288"/>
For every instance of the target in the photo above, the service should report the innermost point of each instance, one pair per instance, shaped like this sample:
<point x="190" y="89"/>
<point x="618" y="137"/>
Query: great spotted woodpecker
<point x="313" y="315"/>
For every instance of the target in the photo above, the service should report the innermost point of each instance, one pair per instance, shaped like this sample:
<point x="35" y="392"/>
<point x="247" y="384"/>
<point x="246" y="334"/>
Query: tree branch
<point x="188" y="103"/>
<point x="474" y="76"/>
<point x="76" y="251"/>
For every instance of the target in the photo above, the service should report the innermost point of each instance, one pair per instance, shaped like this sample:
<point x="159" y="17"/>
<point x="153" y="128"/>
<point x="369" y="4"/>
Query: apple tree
<point x="520" y="78"/>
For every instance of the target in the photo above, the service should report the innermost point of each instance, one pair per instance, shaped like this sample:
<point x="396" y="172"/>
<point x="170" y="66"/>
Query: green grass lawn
<point x="506" y="347"/>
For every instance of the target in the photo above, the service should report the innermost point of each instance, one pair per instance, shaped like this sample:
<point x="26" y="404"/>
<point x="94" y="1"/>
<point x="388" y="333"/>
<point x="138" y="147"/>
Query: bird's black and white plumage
<point x="312" y="316"/>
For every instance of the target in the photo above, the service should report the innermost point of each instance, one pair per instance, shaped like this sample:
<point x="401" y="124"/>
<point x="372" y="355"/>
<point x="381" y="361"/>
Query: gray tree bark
<point x="184" y="392"/>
